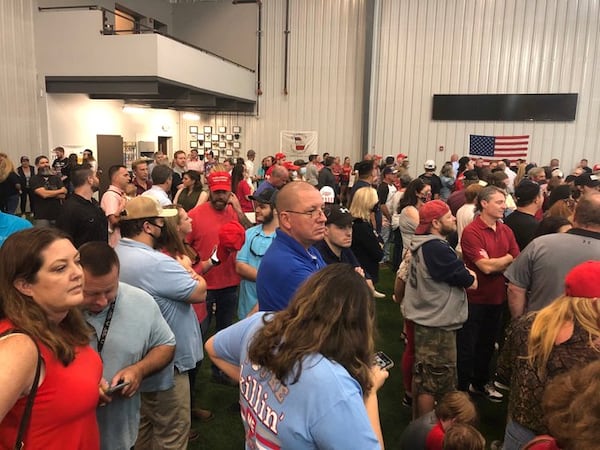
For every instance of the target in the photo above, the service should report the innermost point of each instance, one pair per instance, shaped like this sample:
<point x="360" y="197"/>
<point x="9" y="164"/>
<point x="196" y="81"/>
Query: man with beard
<point x="436" y="302"/>
<point x="258" y="240"/>
<point x="222" y="280"/>
<point x="165" y="414"/>
<point x="48" y="192"/>
<point x="60" y="165"/>
<point x="81" y="216"/>
<point x="291" y="259"/>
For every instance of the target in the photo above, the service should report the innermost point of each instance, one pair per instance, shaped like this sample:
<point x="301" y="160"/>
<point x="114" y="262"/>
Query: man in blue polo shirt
<point x="291" y="259"/>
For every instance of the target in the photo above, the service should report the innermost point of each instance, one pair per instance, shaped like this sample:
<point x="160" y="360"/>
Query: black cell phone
<point x="116" y="387"/>
<point x="383" y="360"/>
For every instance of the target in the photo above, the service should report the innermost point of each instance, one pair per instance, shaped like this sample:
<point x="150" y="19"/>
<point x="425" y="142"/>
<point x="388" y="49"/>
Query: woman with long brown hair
<point x="190" y="194"/>
<point x="41" y="286"/>
<point x="306" y="373"/>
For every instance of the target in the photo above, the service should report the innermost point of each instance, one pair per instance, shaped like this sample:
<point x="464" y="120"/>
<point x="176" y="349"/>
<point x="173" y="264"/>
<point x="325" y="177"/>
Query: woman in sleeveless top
<point x="41" y="286"/>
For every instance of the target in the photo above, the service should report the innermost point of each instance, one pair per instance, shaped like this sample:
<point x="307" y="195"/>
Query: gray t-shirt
<point x="137" y="326"/>
<point x="542" y="266"/>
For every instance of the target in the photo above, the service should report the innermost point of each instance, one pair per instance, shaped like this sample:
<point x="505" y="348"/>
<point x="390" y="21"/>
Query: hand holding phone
<point x="382" y="360"/>
<point x="116" y="387"/>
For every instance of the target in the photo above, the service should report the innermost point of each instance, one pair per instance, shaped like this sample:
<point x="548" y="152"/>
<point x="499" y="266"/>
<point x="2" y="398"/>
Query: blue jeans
<point x="516" y="436"/>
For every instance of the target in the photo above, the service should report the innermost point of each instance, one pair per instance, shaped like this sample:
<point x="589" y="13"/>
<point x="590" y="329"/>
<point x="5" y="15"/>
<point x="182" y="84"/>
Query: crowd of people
<point x="490" y="258"/>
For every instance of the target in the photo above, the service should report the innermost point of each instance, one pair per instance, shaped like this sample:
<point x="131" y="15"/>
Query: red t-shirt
<point x="64" y="409"/>
<point x="476" y="237"/>
<point x="242" y="193"/>
<point x="206" y="223"/>
<point x="435" y="438"/>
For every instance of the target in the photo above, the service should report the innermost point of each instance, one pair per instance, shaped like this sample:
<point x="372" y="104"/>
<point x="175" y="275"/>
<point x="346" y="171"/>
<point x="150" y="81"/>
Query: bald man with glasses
<point x="291" y="259"/>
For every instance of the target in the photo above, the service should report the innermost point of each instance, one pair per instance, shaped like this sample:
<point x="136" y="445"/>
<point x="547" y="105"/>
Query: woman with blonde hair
<point x="10" y="185"/>
<point x="366" y="243"/>
<point x="521" y="173"/>
<point x="44" y="349"/>
<point x="539" y="346"/>
<point x="306" y="374"/>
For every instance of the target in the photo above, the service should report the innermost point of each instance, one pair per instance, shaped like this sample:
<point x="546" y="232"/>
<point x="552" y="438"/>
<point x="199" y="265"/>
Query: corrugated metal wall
<point x="326" y="55"/>
<point x="431" y="47"/>
<point x="20" y="127"/>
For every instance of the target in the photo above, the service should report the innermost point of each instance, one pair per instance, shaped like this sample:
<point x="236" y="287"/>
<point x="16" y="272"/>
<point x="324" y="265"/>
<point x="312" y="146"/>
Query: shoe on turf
<point x="488" y="391"/>
<point x="501" y="386"/>
<point x="377" y="294"/>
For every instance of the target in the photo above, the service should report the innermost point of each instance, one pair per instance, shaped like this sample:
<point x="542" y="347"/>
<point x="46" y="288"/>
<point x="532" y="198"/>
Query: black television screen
<point x="505" y="107"/>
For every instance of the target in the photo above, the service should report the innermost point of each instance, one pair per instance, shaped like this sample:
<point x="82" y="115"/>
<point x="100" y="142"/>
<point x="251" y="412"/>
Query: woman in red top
<point x="241" y="188"/>
<point x="346" y="170"/>
<point x="41" y="286"/>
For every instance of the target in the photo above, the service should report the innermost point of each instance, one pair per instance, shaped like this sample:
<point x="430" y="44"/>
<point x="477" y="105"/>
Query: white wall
<point x="431" y="47"/>
<point x="75" y="120"/>
<point x="325" y="78"/>
<point x="20" y="124"/>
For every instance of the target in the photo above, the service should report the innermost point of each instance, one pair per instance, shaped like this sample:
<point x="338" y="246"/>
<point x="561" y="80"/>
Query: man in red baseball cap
<point x="435" y="301"/>
<point x="217" y="251"/>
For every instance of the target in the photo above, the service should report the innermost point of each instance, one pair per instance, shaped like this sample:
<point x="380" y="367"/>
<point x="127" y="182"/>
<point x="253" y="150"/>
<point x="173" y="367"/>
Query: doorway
<point x="165" y="144"/>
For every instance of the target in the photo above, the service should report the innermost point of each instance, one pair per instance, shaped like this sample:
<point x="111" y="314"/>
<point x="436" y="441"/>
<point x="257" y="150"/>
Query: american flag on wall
<point x="493" y="148"/>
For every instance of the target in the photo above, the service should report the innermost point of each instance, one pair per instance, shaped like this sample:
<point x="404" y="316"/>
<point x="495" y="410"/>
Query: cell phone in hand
<point x="382" y="360"/>
<point x="116" y="387"/>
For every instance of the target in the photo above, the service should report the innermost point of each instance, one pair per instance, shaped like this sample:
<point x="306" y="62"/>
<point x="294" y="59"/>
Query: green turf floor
<point x="226" y="431"/>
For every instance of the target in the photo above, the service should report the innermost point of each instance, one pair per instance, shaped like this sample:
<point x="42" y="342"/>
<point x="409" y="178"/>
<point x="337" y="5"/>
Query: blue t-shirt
<point x="137" y="327"/>
<point x="324" y="409"/>
<point x="285" y="266"/>
<point x="10" y="224"/>
<point x="170" y="285"/>
<point x="255" y="247"/>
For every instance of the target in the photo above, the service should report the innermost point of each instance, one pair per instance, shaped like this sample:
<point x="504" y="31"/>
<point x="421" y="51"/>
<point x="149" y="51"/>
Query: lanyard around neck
<point x="109" y="314"/>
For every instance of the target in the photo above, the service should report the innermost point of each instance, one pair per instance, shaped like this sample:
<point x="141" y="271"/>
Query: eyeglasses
<point x="313" y="213"/>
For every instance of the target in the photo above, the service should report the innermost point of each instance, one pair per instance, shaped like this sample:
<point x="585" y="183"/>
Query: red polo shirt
<point x="478" y="236"/>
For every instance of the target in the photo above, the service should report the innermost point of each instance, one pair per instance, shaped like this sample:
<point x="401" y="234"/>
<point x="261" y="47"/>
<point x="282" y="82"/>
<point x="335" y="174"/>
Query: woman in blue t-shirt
<point x="306" y="373"/>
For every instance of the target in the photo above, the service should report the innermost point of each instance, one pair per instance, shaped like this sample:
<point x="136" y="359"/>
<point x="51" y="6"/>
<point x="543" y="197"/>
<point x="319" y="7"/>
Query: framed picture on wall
<point x="222" y="129"/>
<point x="222" y="144"/>
<point x="214" y="137"/>
<point x="207" y="144"/>
<point x="201" y="151"/>
<point x="207" y="130"/>
<point x="193" y="130"/>
<point x="237" y="129"/>
<point x="237" y="145"/>
<point x="229" y="137"/>
<point x="193" y="144"/>
<point x="229" y="152"/>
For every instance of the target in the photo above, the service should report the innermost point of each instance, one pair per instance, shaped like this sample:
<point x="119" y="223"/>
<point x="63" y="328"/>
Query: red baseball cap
<point x="582" y="280"/>
<point x="219" y="181"/>
<point x="279" y="156"/>
<point x="430" y="211"/>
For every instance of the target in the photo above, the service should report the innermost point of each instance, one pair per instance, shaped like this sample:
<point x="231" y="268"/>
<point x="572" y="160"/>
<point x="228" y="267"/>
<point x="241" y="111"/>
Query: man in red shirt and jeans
<point x="489" y="247"/>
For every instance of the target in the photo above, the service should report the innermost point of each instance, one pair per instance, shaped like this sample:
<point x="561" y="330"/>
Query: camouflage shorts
<point x="435" y="360"/>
